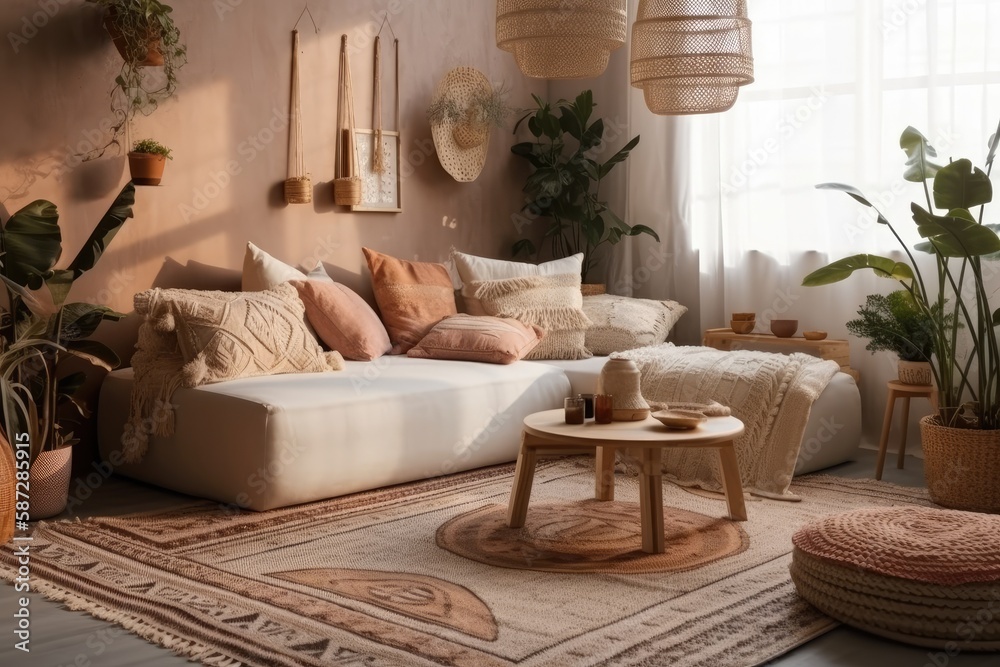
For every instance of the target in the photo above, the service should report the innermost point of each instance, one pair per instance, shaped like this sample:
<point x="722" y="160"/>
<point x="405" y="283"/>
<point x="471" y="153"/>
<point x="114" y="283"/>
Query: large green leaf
<point x="570" y="123"/>
<point x="960" y="185"/>
<point x="32" y="243"/>
<point x="955" y="235"/>
<point x="643" y="229"/>
<point x="856" y="194"/>
<point x="592" y="136"/>
<point x="80" y="320"/>
<point x="104" y="232"/>
<point x="843" y="268"/>
<point x="96" y="353"/>
<point x="583" y="106"/>
<point x="620" y="156"/>
<point x="918" y="153"/>
<point x="996" y="317"/>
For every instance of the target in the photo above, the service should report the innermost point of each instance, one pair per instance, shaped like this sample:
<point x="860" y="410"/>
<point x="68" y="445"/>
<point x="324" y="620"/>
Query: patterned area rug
<point x="365" y="580"/>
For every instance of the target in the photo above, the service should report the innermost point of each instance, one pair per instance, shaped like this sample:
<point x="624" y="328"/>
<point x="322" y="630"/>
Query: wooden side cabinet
<point x="831" y="350"/>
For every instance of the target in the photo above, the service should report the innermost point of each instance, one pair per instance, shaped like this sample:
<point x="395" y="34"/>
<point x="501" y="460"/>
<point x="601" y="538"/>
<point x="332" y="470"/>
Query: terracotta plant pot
<point x="914" y="372"/>
<point x="145" y="55"/>
<point x="146" y="168"/>
<point x="50" y="475"/>
<point x="961" y="466"/>
<point x="593" y="289"/>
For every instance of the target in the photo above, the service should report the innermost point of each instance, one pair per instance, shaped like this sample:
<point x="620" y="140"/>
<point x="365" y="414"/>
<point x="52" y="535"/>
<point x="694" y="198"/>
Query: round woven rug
<point x="589" y="536"/>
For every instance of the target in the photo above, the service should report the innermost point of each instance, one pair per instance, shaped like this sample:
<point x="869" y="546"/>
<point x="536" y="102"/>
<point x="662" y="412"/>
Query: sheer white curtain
<point x="733" y="194"/>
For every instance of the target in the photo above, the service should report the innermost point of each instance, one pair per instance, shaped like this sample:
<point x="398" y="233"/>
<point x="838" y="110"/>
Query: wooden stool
<point x="906" y="392"/>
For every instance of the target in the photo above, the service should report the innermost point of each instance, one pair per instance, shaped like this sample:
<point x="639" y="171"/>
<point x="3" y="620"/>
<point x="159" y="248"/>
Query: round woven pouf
<point x="929" y="577"/>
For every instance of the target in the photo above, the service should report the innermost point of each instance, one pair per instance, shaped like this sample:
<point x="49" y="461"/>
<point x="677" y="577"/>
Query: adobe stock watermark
<point x="31" y="24"/>
<point x="248" y="150"/>
<point x="899" y="14"/>
<point x="740" y="174"/>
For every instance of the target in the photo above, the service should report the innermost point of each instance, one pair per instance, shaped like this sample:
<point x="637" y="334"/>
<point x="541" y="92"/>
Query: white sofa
<point x="274" y="441"/>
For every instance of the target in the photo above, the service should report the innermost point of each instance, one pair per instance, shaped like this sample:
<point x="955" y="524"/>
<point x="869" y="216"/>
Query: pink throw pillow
<point x="343" y="320"/>
<point x="494" y="340"/>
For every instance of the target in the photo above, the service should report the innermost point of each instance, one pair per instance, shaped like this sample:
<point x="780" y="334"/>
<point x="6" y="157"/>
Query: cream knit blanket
<point x="771" y="394"/>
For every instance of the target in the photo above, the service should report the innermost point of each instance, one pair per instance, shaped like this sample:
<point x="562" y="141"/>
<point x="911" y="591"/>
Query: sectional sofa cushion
<point x="553" y="303"/>
<point x="261" y="271"/>
<point x="472" y="269"/>
<point x="343" y="320"/>
<point x="622" y="323"/>
<point x="412" y="296"/>
<point x="190" y="338"/>
<point x="493" y="340"/>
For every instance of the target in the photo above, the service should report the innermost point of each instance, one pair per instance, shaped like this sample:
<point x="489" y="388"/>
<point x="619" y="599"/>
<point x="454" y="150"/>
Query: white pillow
<point x="262" y="272"/>
<point x="622" y="323"/>
<point x="473" y="269"/>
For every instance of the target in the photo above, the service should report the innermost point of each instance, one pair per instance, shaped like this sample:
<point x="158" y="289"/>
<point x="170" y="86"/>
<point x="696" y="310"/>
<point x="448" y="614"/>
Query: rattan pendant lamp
<point x="561" y="39"/>
<point x="691" y="56"/>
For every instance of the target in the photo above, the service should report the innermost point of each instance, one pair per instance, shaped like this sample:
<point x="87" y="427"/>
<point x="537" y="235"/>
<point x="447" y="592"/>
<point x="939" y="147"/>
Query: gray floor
<point x="62" y="638"/>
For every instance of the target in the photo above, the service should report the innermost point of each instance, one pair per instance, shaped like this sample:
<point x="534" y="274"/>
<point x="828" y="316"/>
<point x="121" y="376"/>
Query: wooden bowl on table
<point x="784" y="328"/>
<point x="814" y="335"/>
<point x="742" y="326"/>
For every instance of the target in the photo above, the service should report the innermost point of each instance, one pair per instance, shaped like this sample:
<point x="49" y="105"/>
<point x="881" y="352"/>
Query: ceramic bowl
<point x="784" y="328"/>
<point x="681" y="419"/>
<point x="814" y="335"/>
<point x="744" y="317"/>
<point x="742" y="326"/>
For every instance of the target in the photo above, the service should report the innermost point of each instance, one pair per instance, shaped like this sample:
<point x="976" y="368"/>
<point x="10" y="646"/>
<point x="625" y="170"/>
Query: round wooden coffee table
<point x="547" y="434"/>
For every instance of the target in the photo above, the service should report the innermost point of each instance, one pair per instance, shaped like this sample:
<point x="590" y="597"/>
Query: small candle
<point x="588" y="405"/>
<point x="604" y="408"/>
<point x="574" y="408"/>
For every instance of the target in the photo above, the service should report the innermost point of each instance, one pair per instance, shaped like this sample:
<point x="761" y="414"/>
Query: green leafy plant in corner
<point x="966" y="356"/>
<point x="138" y="88"/>
<point x="151" y="147"/>
<point x="894" y="322"/>
<point x="565" y="183"/>
<point x="39" y="330"/>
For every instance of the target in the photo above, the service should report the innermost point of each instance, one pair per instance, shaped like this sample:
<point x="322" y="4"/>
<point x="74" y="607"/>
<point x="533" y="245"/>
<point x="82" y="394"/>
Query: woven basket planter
<point x="347" y="191"/>
<point x="961" y="466"/>
<point x="298" y="190"/>
<point x="914" y="372"/>
<point x="593" y="289"/>
<point x="7" y="490"/>
<point x="50" y="475"/>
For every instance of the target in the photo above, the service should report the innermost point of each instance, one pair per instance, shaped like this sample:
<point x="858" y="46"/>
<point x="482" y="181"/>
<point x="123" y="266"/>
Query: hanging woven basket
<point x="347" y="180"/>
<point x="298" y="185"/>
<point x="691" y="56"/>
<point x="7" y="489"/>
<point x="561" y="39"/>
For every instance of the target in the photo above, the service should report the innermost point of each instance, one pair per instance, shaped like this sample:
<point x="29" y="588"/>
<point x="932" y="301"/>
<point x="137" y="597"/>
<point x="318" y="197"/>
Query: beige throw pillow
<point x="622" y="323"/>
<point x="553" y="303"/>
<point x="472" y="269"/>
<point x="493" y="340"/>
<point x="262" y="271"/>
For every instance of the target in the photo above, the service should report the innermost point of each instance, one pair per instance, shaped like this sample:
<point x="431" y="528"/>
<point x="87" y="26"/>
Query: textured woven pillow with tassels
<point x="189" y="338"/>
<point x="553" y="303"/>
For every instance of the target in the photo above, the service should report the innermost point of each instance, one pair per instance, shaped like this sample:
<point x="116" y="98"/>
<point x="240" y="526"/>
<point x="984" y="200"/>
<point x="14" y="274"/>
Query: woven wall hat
<point x="462" y="144"/>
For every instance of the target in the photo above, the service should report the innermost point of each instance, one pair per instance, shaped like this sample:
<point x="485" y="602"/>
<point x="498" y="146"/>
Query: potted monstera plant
<point x="961" y="443"/>
<point x="565" y="183"/>
<point x="39" y="331"/>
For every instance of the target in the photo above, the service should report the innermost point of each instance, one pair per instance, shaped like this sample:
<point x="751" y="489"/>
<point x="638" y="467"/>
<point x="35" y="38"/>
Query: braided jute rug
<point x="425" y="574"/>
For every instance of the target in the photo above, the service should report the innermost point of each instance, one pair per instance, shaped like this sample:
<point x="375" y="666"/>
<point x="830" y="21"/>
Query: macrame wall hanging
<point x="347" y="178"/>
<point x="298" y="185"/>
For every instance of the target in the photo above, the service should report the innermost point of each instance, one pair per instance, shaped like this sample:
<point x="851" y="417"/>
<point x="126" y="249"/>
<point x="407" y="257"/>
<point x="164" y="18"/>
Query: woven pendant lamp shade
<point x="561" y="39"/>
<point x="691" y="56"/>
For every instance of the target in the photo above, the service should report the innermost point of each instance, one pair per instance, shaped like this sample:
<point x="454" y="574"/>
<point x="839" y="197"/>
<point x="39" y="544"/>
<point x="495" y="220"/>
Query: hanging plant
<point x="150" y="44"/>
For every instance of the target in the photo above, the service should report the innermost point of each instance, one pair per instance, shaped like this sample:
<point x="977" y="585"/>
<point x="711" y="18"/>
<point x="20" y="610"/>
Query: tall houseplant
<point x="963" y="471"/>
<point x="42" y="328"/>
<point x="565" y="184"/>
<point x="145" y="35"/>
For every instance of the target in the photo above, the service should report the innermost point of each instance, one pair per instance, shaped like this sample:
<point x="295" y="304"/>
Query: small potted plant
<point x="487" y="108"/>
<point x="565" y="183"/>
<point x="893" y="322"/>
<point x="150" y="44"/>
<point x="146" y="161"/>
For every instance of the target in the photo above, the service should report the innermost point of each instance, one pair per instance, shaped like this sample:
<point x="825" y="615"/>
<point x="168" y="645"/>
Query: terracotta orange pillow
<point x="343" y="320"/>
<point x="494" y="340"/>
<point x="413" y="297"/>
